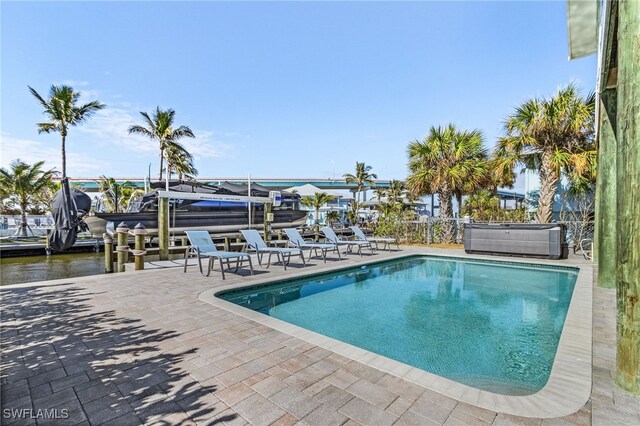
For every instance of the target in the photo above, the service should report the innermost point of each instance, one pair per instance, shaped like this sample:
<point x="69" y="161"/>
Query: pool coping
<point x="569" y="384"/>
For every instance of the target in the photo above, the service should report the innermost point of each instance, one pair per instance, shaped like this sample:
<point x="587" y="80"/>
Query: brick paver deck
<point x="141" y="348"/>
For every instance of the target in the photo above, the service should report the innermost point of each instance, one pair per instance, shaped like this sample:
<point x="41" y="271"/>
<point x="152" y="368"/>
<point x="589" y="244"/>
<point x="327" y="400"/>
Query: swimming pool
<point x="491" y="325"/>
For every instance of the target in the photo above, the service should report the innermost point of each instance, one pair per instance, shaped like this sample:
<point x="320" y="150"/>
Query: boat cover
<point x="67" y="211"/>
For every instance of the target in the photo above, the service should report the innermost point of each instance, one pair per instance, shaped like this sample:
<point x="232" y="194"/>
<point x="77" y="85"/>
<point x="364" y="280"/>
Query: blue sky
<point x="276" y="89"/>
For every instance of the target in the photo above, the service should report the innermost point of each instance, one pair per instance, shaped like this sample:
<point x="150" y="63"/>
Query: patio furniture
<point x="386" y="242"/>
<point x="333" y="238"/>
<point x="296" y="239"/>
<point x="201" y="245"/>
<point x="255" y="242"/>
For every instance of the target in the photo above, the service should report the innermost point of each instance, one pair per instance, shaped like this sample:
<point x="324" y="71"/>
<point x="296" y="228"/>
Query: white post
<point x="249" y="195"/>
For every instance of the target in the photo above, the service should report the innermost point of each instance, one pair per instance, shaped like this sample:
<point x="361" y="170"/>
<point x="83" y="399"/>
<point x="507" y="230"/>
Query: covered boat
<point x="215" y="216"/>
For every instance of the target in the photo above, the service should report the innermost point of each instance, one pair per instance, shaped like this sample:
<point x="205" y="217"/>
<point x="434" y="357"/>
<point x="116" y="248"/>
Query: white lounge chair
<point x="333" y="238"/>
<point x="255" y="242"/>
<point x="201" y="245"/>
<point x="296" y="239"/>
<point x="386" y="242"/>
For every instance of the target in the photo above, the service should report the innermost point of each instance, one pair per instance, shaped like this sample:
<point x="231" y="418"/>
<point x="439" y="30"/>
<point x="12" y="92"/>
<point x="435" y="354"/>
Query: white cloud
<point x="204" y="146"/>
<point x="111" y="125"/>
<point x="73" y="83"/>
<point x="33" y="151"/>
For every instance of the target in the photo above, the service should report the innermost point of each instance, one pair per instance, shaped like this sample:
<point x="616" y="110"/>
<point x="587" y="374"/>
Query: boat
<point x="214" y="216"/>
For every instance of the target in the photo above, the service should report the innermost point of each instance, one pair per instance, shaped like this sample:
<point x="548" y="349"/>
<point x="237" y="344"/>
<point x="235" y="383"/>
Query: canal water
<point x="15" y="270"/>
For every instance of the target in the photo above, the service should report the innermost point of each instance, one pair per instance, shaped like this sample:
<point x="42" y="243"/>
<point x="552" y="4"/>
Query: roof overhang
<point x="582" y="25"/>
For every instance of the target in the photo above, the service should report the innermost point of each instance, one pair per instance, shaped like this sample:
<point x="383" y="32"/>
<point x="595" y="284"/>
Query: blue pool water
<point x="491" y="325"/>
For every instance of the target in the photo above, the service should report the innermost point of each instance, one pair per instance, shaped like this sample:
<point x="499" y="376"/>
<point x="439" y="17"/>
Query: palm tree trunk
<point x="161" y="163"/>
<point x="317" y="226"/>
<point x="23" y="218"/>
<point x="64" y="156"/>
<point x="446" y="214"/>
<point x="549" y="178"/>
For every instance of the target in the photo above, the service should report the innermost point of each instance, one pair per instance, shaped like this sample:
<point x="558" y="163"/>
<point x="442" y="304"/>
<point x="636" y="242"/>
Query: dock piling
<point x="123" y="245"/>
<point x="108" y="253"/>
<point x="139" y="232"/>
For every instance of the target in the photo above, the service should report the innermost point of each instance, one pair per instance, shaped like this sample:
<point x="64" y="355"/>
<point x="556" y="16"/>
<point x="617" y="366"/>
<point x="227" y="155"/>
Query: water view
<point x="17" y="270"/>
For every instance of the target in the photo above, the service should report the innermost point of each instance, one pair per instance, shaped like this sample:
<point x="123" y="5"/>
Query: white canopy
<point x="308" y="190"/>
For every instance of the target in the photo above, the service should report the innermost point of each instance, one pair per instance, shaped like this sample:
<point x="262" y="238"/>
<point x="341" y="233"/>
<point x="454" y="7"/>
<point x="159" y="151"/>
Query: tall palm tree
<point x="551" y="136"/>
<point x="443" y="163"/>
<point x="318" y="200"/>
<point x="62" y="112"/>
<point x="23" y="184"/>
<point x="362" y="178"/>
<point x="159" y="126"/>
<point x="180" y="161"/>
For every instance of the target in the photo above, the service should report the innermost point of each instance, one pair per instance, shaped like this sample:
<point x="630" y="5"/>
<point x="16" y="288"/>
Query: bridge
<point x="92" y="184"/>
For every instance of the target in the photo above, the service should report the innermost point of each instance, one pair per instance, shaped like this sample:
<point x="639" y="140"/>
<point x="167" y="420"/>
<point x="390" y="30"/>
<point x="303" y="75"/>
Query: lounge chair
<point x="296" y="239"/>
<point x="255" y="242"/>
<point x="201" y="245"/>
<point x="333" y="238"/>
<point x="386" y="242"/>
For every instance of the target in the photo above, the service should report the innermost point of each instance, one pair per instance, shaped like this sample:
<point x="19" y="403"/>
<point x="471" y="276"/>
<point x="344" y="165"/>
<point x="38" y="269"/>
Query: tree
<point x="116" y="196"/>
<point x="160" y="127"/>
<point x="180" y="161"/>
<point x="362" y="178"/>
<point x="62" y="112"/>
<point x="319" y="199"/>
<point x="551" y="136"/>
<point x="23" y="184"/>
<point x="445" y="162"/>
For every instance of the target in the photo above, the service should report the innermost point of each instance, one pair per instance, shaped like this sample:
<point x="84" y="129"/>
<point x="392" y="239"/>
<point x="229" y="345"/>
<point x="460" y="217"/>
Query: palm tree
<point x="116" y="195"/>
<point x="362" y="178"/>
<point x="180" y="161"/>
<point x="23" y="185"/>
<point x="319" y="199"/>
<point x="395" y="192"/>
<point x="482" y="205"/>
<point x="442" y="164"/>
<point x="160" y="127"/>
<point x="62" y="112"/>
<point x="551" y="136"/>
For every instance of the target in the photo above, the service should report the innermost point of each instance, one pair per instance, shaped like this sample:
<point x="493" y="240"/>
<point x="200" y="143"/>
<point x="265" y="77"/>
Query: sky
<point x="276" y="89"/>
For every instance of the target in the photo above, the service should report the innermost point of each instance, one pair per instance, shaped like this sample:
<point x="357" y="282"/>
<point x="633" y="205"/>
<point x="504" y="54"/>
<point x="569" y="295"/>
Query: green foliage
<point x="159" y="126"/>
<point x="362" y="177"/>
<point x="180" y="161"/>
<point x="23" y="186"/>
<point x="62" y="111"/>
<point x="447" y="162"/>
<point x="332" y="216"/>
<point x="484" y="206"/>
<point x="551" y="136"/>
<point x="319" y="199"/>
<point x="116" y="196"/>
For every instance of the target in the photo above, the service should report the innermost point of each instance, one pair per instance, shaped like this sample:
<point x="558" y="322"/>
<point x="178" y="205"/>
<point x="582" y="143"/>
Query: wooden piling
<point x="108" y="253"/>
<point x="123" y="245"/>
<point x="139" y="233"/>
<point x="268" y="218"/>
<point x="627" y="206"/>
<point x="163" y="228"/>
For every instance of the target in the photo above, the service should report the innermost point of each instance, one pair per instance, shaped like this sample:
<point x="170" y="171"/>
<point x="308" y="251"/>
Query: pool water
<point x="487" y="324"/>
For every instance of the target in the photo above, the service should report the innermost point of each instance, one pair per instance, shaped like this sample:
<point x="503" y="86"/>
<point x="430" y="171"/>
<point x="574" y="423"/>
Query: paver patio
<point x="141" y="348"/>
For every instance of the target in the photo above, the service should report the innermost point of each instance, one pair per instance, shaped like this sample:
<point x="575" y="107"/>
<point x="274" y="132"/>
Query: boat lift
<point x="274" y="200"/>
